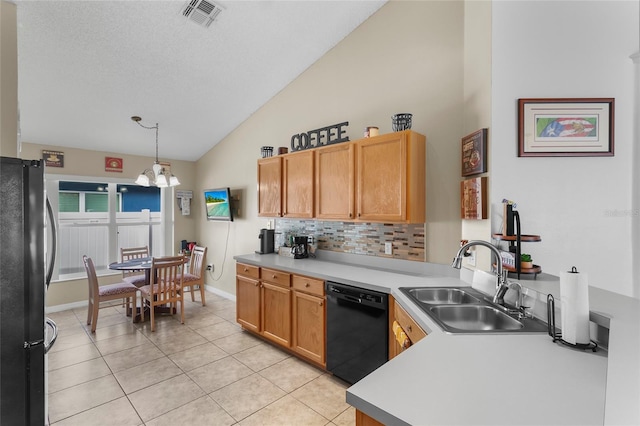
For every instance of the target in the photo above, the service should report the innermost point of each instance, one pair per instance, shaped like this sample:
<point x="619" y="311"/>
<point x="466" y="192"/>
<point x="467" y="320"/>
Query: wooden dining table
<point x="141" y="264"/>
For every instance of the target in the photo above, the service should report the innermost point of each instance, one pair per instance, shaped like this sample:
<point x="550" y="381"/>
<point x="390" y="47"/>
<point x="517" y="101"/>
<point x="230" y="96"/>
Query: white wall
<point x="477" y="106"/>
<point x="582" y="207"/>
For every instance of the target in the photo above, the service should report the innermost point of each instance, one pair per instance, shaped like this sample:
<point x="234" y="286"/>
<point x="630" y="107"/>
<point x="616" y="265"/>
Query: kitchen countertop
<point x="489" y="379"/>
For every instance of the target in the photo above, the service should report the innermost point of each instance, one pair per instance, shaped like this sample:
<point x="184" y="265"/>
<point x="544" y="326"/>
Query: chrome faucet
<point x="501" y="279"/>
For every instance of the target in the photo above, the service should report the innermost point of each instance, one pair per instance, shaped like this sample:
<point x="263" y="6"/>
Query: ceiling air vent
<point x="202" y="12"/>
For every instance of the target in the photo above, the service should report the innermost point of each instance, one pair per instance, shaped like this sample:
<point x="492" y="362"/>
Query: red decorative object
<point x="113" y="164"/>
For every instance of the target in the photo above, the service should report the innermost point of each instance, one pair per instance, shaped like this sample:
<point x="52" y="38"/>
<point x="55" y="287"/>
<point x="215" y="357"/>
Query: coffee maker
<point x="266" y="241"/>
<point x="300" y="248"/>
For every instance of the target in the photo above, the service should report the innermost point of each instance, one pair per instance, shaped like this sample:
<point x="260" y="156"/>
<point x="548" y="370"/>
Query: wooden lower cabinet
<point x="363" y="420"/>
<point x="309" y="319"/>
<point x="248" y="311"/>
<point x="276" y="314"/>
<point x="288" y="310"/>
<point x="413" y="331"/>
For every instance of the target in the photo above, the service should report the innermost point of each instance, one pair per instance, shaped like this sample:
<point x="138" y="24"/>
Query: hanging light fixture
<point x="156" y="174"/>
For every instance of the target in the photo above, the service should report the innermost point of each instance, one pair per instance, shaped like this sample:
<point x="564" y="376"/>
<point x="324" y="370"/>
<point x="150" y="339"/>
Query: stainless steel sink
<point x="467" y="310"/>
<point x="475" y="318"/>
<point x="442" y="296"/>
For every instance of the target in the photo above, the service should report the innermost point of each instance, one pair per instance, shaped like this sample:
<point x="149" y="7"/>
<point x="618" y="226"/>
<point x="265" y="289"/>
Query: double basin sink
<point x="466" y="310"/>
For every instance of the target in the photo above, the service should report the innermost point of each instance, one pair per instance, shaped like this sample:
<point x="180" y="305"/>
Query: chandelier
<point x="157" y="174"/>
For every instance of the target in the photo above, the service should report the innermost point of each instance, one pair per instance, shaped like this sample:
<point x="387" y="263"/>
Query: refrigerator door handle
<point x="51" y="323"/>
<point x="54" y="244"/>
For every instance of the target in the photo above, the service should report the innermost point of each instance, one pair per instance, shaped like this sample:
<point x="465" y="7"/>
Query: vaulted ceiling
<point x="86" y="67"/>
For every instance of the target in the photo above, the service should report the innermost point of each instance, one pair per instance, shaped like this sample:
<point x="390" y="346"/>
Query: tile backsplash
<point x="358" y="238"/>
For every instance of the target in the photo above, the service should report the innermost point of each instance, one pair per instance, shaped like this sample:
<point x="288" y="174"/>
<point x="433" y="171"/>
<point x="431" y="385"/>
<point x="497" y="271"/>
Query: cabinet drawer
<point x="275" y="277"/>
<point x="308" y="285"/>
<point x="409" y="326"/>
<point x="247" y="270"/>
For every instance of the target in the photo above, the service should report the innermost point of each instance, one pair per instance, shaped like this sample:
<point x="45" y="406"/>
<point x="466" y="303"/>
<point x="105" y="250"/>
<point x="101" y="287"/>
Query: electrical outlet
<point x="210" y="267"/>
<point x="388" y="248"/>
<point x="471" y="259"/>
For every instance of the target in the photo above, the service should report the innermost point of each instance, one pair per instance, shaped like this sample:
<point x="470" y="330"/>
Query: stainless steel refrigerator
<point x="25" y="333"/>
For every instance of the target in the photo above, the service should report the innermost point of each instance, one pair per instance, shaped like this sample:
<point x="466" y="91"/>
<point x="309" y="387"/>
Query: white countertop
<point x="490" y="379"/>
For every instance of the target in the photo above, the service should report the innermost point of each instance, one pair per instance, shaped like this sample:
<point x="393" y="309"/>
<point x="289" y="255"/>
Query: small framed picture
<point x="113" y="164"/>
<point x="474" y="153"/>
<point x="565" y="127"/>
<point x="473" y="198"/>
<point x="53" y="158"/>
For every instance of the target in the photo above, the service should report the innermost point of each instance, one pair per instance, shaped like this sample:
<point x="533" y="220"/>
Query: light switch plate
<point x="388" y="248"/>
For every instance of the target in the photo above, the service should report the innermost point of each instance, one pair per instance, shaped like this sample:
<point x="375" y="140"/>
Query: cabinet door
<point x="248" y="303"/>
<point x="270" y="186"/>
<point x="335" y="182"/>
<point x="381" y="178"/>
<point x="390" y="179"/>
<point x="276" y="314"/>
<point x="309" y="326"/>
<point x="298" y="184"/>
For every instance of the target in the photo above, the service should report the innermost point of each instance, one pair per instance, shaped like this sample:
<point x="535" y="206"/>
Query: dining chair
<point x="166" y="286"/>
<point x="98" y="293"/>
<point x="195" y="276"/>
<point x="136" y="278"/>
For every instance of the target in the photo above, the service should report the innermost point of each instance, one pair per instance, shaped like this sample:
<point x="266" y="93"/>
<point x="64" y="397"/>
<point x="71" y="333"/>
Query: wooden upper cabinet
<point x="335" y="182"/>
<point x="390" y="178"/>
<point x="297" y="175"/>
<point x="270" y="186"/>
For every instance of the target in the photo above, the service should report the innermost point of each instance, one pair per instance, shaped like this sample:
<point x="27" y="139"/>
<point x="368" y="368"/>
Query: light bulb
<point x="173" y="181"/>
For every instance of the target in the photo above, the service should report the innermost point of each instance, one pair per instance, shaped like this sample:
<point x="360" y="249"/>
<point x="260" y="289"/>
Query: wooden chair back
<point x="130" y="253"/>
<point x="166" y="286"/>
<point x="166" y="274"/>
<point x="197" y="265"/>
<point x="97" y="293"/>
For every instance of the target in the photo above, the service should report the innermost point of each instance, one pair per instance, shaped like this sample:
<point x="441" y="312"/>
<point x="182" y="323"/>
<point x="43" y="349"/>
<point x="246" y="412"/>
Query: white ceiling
<point x="86" y="67"/>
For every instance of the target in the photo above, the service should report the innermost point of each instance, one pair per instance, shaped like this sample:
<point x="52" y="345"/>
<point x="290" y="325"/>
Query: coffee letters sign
<point x="320" y="137"/>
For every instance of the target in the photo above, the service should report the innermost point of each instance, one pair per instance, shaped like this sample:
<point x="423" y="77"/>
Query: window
<point x="98" y="218"/>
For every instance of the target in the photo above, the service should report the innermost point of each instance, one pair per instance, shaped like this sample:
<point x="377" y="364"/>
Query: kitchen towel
<point x="574" y="311"/>
<point x="401" y="336"/>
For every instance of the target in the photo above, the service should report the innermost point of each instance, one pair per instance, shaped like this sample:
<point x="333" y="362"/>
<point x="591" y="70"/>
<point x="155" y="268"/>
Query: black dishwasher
<point x="357" y="331"/>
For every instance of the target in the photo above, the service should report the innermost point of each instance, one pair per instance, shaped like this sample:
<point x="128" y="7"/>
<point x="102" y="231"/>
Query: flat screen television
<point x="217" y="204"/>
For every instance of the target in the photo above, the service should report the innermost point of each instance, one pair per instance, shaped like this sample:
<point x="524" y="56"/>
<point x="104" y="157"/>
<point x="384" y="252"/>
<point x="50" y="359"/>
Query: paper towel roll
<point x="574" y="298"/>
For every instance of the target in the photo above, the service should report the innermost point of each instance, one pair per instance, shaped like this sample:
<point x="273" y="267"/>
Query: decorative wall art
<point x="474" y="153"/>
<point x="565" y="127"/>
<point x="53" y="158"/>
<point x="473" y="198"/>
<point x="112" y="164"/>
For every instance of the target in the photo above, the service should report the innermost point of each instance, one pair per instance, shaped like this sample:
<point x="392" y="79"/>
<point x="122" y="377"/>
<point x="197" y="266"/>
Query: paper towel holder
<point x="551" y="325"/>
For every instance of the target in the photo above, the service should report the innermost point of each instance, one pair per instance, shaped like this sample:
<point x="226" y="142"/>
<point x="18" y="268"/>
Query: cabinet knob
<point x="307" y="284"/>
<point x="320" y="304"/>
<point x="409" y="328"/>
<point x="256" y="284"/>
<point x="273" y="276"/>
<point x="246" y="269"/>
<point x="350" y="214"/>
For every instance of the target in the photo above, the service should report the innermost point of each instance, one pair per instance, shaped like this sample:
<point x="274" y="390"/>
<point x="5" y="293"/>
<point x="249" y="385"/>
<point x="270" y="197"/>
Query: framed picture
<point x="53" y="158"/>
<point x="474" y="153"/>
<point x="565" y="127"/>
<point x="113" y="164"/>
<point x="473" y="198"/>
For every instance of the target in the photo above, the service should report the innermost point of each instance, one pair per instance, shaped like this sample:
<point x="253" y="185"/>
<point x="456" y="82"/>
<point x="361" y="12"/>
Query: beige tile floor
<point x="205" y="372"/>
